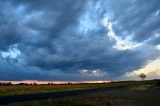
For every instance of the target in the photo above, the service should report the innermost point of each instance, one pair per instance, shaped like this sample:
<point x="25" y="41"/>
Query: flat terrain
<point x="121" y="97"/>
<point x="32" y="89"/>
<point x="146" y="93"/>
<point x="39" y="96"/>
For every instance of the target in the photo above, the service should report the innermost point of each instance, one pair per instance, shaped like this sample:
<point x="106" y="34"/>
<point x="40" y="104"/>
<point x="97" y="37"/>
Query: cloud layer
<point x="77" y="39"/>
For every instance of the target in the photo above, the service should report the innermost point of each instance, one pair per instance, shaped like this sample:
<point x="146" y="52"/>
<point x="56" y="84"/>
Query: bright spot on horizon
<point x="152" y="70"/>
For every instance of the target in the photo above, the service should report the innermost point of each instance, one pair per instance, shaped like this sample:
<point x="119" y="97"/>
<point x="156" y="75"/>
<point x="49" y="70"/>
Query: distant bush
<point x="50" y="83"/>
<point x="34" y="83"/>
<point x="22" y="83"/>
<point x="2" y="83"/>
<point x="5" y="83"/>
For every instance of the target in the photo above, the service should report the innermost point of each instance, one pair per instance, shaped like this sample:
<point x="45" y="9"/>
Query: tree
<point x="34" y="83"/>
<point x="142" y="76"/>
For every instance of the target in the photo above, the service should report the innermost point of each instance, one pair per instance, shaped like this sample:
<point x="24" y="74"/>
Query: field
<point x="144" y="93"/>
<point x="31" y="89"/>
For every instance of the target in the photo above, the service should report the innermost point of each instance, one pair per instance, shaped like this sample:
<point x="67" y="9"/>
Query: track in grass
<point x="39" y="96"/>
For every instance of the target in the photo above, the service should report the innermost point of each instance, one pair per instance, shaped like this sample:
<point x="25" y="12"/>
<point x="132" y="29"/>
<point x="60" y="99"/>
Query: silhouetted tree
<point x="2" y="83"/>
<point x="9" y="83"/>
<point x="69" y="82"/>
<point x="50" y="83"/>
<point x="6" y="83"/>
<point x="22" y="83"/>
<point x="34" y="83"/>
<point x="142" y="76"/>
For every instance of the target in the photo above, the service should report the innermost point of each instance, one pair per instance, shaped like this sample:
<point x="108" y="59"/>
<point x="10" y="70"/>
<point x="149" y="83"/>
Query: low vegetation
<point x="131" y="93"/>
<point x="7" y="90"/>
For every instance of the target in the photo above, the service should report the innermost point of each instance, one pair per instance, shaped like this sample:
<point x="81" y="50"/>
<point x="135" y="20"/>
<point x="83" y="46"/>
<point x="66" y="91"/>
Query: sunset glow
<point x="53" y="82"/>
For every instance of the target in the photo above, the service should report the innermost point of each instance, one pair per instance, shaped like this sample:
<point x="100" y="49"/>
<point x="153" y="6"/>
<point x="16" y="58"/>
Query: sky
<point x="79" y="40"/>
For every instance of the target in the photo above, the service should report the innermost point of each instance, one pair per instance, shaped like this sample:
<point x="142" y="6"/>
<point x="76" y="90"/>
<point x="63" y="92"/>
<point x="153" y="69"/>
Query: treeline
<point x="5" y="83"/>
<point x="34" y="83"/>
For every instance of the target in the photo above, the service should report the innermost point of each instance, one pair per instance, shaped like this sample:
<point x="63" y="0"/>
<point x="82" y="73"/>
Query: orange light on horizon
<point x="55" y="82"/>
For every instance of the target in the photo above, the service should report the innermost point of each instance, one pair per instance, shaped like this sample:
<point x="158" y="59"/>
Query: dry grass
<point x="30" y="89"/>
<point x="146" y="93"/>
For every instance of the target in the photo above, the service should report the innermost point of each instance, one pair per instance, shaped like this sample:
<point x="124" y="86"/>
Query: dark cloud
<point x="8" y="27"/>
<point x="58" y="38"/>
<point x="137" y="18"/>
<point x="154" y="41"/>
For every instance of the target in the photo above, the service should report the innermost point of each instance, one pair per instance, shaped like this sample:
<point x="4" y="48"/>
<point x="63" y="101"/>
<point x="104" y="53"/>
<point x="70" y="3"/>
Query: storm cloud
<point x="77" y="39"/>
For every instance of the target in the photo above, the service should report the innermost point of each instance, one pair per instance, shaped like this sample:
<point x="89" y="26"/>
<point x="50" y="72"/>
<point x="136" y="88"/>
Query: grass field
<point x="144" y="93"/>
<point x="30" y="89"/>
